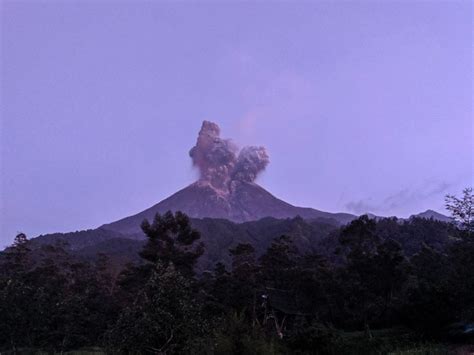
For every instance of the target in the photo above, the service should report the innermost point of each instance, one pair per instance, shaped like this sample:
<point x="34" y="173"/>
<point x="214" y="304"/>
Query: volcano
<point x="242" y="202"/>
<point x="225" y="205"/>
<point x="226" y="188"/>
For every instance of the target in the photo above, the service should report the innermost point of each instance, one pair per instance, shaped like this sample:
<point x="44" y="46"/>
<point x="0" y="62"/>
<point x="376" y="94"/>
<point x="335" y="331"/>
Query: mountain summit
<point x="226" y="188"/>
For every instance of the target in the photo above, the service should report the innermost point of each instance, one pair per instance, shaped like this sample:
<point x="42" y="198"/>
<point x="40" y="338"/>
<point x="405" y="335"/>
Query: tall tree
<point x="360" y="238"/>
<point x="163" y="319"/>
<point x="171" y="239"/>
<point x="16" y="295"/>
<point x="462" y="209"/>
<point x="243" y="295"/>
<point x="356" y="279"/>
<point x="17" y="257"/>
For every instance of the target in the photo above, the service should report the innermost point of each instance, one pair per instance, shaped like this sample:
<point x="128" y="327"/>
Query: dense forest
<point x="376" y="291"/>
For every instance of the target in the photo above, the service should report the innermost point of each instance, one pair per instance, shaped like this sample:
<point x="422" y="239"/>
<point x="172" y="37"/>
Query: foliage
<point x="172" y="240"/>
<point x="462" y="209"/>
<point x="374" y="291"/>
<point x="162" y="318"/>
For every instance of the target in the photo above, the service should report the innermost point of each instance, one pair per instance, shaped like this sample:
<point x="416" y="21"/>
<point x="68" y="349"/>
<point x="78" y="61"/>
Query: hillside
<point x="219" y="235"/>
<point x="243" y="202"/>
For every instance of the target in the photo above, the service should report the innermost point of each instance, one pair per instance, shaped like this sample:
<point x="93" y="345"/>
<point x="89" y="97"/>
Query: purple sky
<point x="363" y="106"/>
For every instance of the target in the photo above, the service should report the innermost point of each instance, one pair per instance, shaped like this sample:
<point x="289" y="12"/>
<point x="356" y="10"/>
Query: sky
<point x="363" y="106"/>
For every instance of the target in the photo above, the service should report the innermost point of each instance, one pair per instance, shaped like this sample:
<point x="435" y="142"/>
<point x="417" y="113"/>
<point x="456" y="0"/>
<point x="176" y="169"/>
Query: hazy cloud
<point x="404" y="197"/>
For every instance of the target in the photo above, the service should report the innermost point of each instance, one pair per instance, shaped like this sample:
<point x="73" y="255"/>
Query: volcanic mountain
<point x="225" y="205"/>
<point x="242" y="202"/>
<point x="228" y="208"/>
<point x="226" y="188"/>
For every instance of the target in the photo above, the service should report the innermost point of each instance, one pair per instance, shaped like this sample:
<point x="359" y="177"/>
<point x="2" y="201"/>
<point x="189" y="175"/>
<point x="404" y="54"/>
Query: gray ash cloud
<point x="219" y="160"/>
<point x="250" y="162"/>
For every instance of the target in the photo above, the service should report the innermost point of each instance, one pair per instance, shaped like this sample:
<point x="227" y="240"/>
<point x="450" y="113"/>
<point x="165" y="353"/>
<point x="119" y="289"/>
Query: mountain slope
<point x="242" y="202"/>
<point x="218" y="235"/>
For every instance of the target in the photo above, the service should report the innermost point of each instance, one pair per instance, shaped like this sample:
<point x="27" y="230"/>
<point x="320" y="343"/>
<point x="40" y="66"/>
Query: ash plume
<point x="215" y="157"/>
<point x="219" y="161"/>
<point x="251" y="162"/>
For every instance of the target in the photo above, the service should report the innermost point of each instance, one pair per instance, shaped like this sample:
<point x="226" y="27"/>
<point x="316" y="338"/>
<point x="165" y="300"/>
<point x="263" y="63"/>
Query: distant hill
<point x="218" y="236"/>
<point x="430" y="214"/>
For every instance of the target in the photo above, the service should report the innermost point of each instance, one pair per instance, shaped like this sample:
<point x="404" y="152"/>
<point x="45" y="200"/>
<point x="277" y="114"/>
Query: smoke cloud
<point x="219" y="160"/>
<point x="251" y="161"/>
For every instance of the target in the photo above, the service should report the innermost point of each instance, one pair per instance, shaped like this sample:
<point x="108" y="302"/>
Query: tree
<point x="279" y="262"/>
<point x="243" y="260"/>
<point x="357" y="280"/>
<point x="280" y="273"/>
<point x="429" y="305"/>
<point x="389" y="276"/>
<point x="243" y="293"/>
<point x="164" y="318"/>
<point x="17" y="257"/>
<point x="171" y="240"/>
<point x="462" y="209"/>
<point x="16" y="295"/>
<point x="461" y="259"/>
<point x="360" y="237"/>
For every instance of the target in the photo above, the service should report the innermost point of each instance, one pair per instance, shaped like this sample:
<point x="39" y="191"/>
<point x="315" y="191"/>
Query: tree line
<point x="283" y="301"/>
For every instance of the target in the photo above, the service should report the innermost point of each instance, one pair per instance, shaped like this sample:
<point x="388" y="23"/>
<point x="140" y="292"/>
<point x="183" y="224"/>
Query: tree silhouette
<point x="462" y="209"/>
<point x="171" y="239"/>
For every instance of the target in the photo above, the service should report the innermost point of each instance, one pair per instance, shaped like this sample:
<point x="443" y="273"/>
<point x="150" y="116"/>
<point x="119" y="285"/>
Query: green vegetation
<point x="376" y="292"/>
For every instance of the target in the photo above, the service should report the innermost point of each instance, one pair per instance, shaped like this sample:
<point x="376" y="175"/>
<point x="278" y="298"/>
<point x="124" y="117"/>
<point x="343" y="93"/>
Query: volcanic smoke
<point x="220" y="162"/>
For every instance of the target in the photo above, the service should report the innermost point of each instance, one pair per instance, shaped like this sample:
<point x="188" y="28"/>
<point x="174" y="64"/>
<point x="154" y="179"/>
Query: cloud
<point x="360" y="207"/>
<point x="402" y="198"/>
